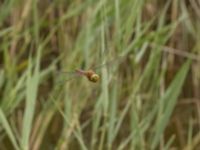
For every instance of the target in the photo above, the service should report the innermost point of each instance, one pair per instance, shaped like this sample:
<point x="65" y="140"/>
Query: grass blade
<point x="32" y="84"/>
<point x="169" y="102"/>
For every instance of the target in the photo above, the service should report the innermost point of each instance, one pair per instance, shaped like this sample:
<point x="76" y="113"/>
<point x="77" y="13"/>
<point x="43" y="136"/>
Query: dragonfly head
<point x="94" y="77"/>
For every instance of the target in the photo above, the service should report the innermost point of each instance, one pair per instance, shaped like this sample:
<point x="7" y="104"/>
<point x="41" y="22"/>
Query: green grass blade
<point x="32" y="84"/>
<point x="8" y="129"/>
<point x="169" y="101"/>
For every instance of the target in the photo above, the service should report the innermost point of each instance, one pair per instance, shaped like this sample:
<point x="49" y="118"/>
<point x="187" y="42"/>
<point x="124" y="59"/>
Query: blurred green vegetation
<point x="147" y="56"/>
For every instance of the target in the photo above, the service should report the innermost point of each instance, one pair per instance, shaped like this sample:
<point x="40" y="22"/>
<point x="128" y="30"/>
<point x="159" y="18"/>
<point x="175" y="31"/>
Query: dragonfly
<point x="90" y="74"/>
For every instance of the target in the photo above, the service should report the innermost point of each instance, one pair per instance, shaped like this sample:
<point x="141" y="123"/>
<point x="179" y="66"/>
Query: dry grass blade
<point x="178" y="52"/>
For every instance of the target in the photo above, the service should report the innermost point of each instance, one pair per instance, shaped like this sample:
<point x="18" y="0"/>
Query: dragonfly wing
<point x="65" y="76"/>
<point x="66" y="72"/>
<point x="108" y="63"/>
<point x="65" y="80"/>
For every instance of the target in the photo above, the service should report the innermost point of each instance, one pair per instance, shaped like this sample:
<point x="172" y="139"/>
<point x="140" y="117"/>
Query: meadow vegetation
<point x="145" y="51"/>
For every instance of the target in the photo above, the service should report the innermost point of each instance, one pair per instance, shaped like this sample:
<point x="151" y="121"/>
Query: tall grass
<point x="143" y="83"/>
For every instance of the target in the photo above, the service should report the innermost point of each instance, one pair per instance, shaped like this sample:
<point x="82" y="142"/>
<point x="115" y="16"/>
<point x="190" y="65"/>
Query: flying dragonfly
<point x="90" y="74"/>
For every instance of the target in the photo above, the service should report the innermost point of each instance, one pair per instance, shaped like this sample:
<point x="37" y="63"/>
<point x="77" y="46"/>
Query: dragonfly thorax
<point x="92" y="76"/>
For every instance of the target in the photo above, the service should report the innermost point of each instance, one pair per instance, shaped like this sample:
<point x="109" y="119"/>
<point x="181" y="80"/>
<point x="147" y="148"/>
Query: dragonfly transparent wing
<point x="116" y="60"/>
<point x="66" y="76"/>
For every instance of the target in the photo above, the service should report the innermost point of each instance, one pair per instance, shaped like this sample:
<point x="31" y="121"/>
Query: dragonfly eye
<point x="94" y="78"/>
